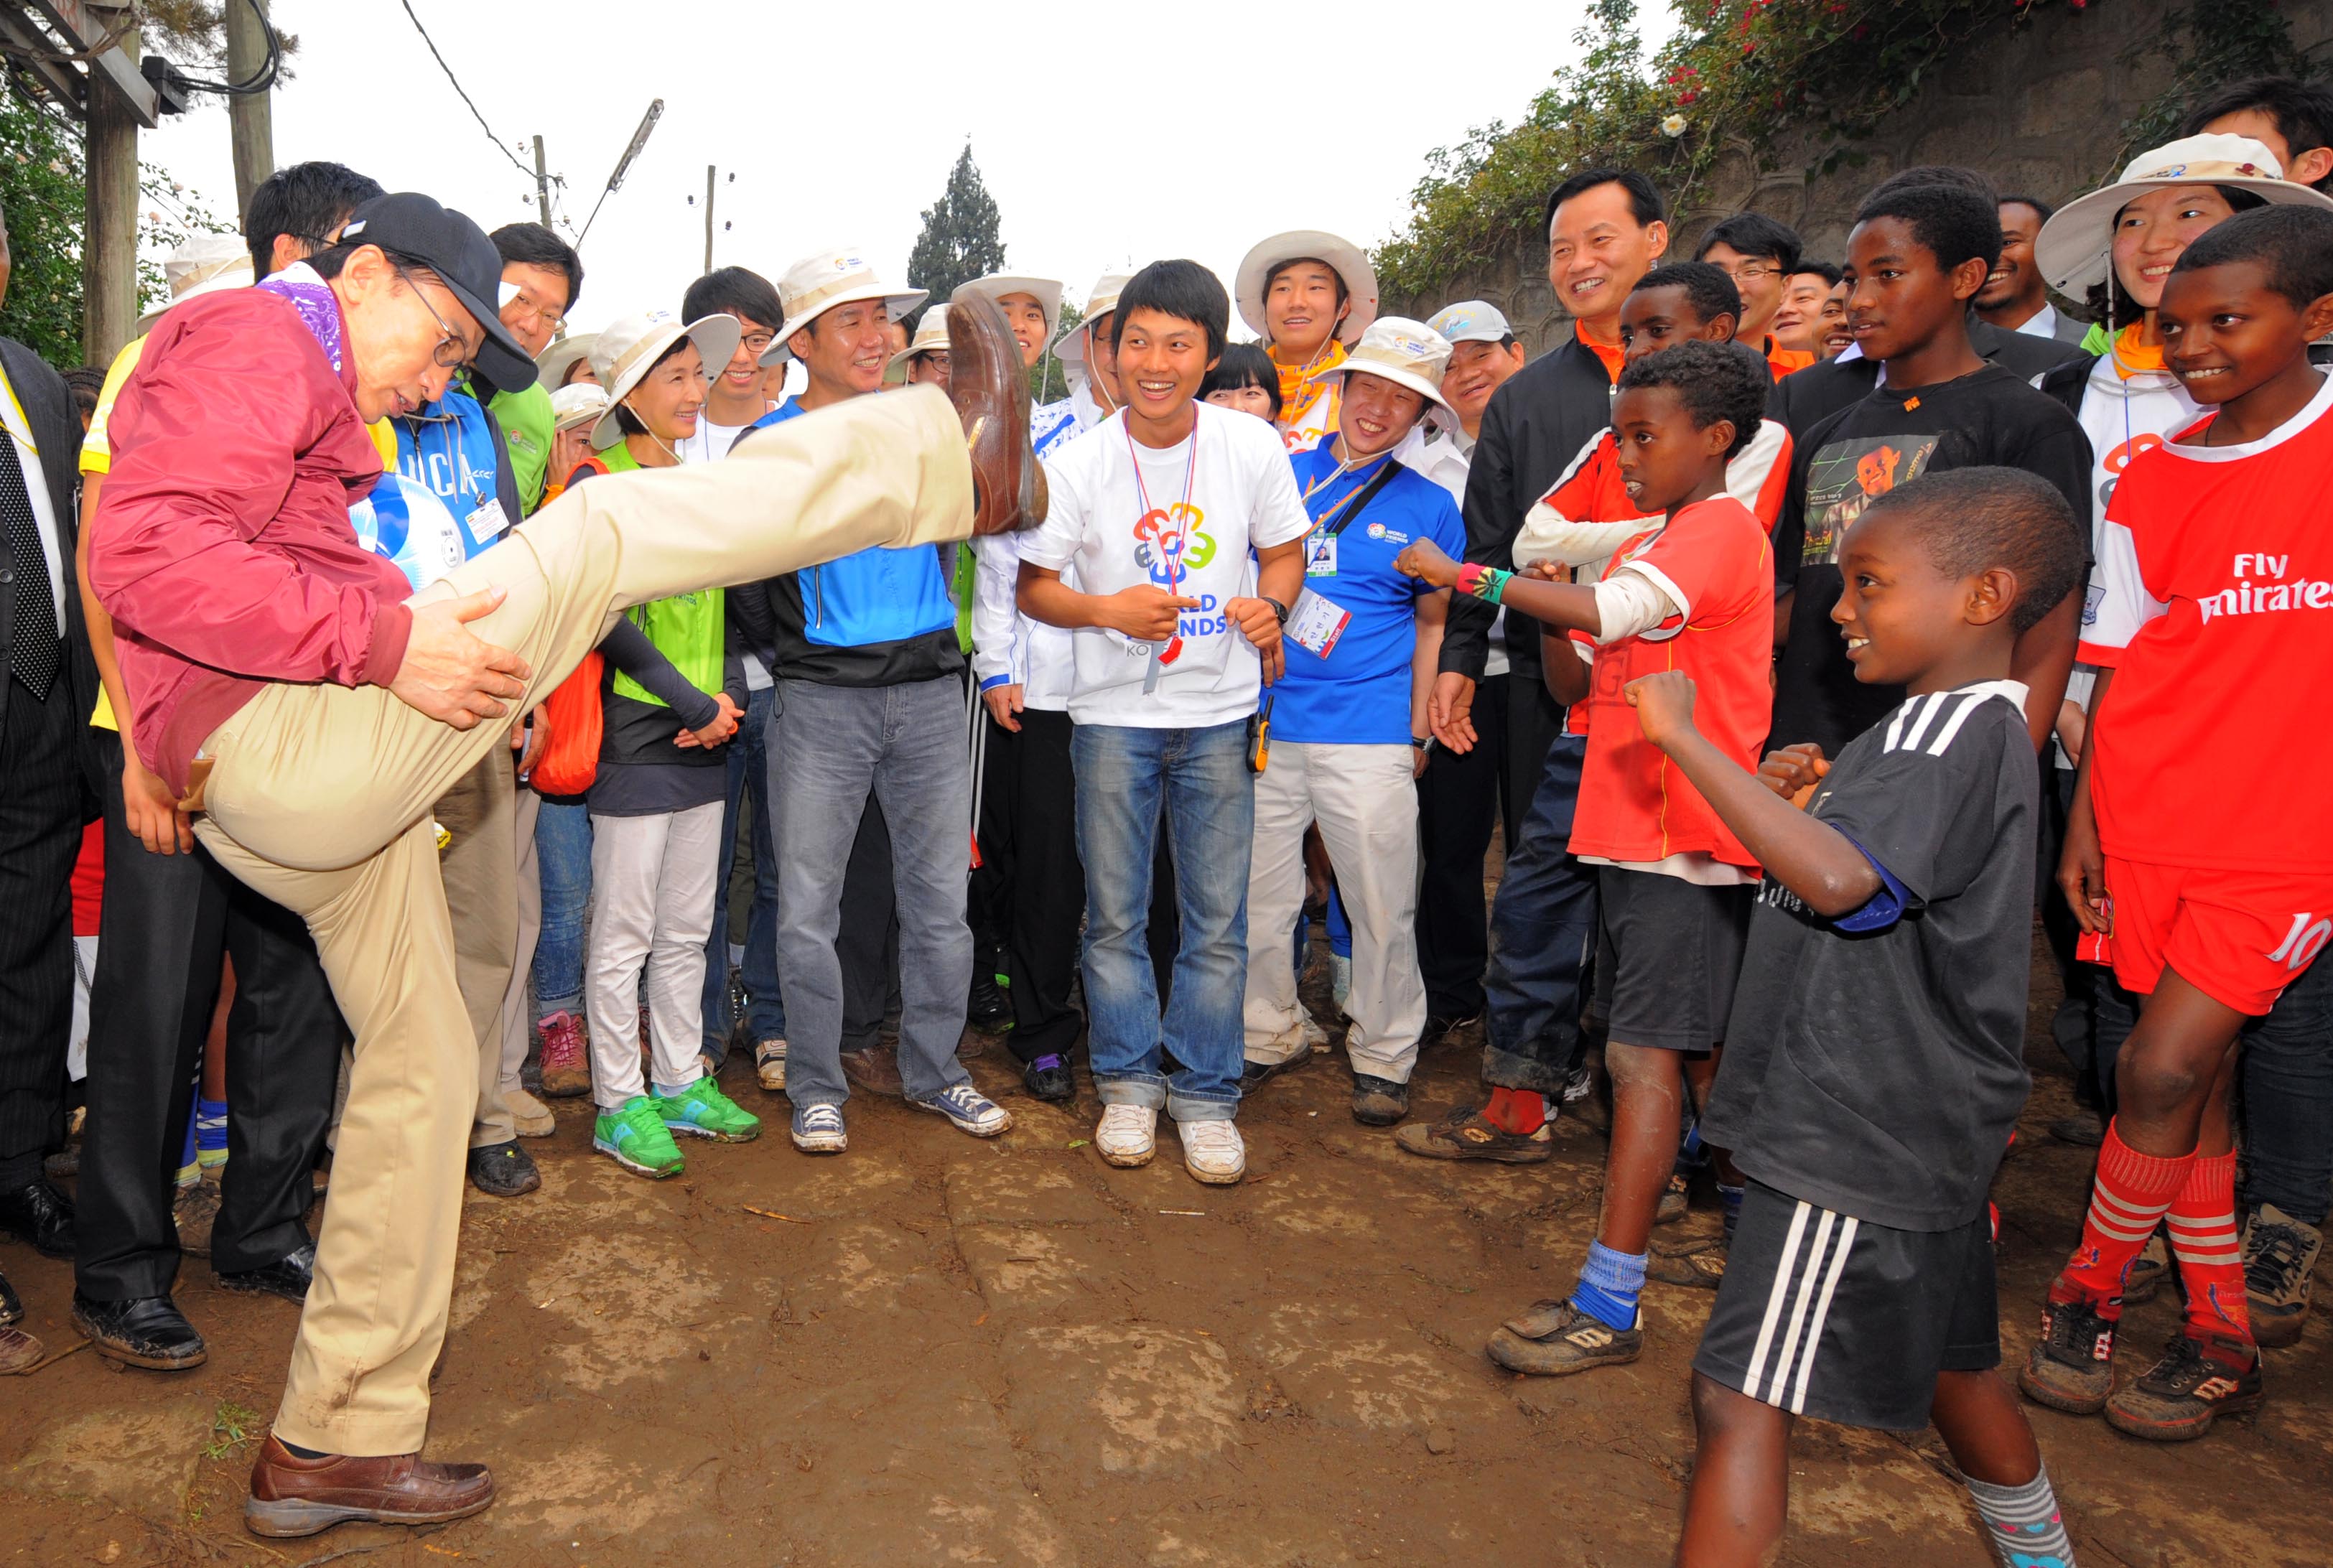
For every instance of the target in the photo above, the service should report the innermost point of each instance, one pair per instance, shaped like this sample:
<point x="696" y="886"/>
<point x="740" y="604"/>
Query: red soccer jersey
<point x="1715" y="559"/>
<point x="2212" y="741"/>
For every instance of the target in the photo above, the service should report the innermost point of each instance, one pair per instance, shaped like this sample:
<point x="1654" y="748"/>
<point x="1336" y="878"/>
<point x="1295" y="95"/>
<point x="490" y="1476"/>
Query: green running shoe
<point x="636" y="1138"/>
<point x="703" y="1110"/>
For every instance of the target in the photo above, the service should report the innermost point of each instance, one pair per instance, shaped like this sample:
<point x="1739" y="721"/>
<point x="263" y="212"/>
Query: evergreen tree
<point x="959" y="242"/>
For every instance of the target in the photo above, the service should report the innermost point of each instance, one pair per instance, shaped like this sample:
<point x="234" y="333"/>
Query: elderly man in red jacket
<point x="285" y="682"/>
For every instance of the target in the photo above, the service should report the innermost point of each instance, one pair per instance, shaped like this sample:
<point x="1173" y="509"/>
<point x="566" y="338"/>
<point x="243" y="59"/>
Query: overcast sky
<point x="1107" y="133"/>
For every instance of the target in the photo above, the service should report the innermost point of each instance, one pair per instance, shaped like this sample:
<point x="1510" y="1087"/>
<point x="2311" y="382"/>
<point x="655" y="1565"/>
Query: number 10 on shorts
<point x="2304" y="942"/>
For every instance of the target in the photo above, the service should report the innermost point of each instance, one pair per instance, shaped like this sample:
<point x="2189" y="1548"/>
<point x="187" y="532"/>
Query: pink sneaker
<point x="565" y="1042"/>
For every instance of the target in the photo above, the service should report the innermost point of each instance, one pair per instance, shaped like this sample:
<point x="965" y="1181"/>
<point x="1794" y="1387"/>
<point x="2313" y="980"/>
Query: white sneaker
<point x="1128" y="1135"/>
<point x="1315" y="1036"/>
<point x="770" y="1064"/>
<point x="529" y="1115"/>
<point x="1213" y="1151"/>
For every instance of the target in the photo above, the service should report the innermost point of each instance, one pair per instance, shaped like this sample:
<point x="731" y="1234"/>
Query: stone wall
<point x="2041" y="113"/>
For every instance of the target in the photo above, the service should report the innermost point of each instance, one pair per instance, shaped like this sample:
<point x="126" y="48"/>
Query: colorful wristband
<point x="1483" y="582"/>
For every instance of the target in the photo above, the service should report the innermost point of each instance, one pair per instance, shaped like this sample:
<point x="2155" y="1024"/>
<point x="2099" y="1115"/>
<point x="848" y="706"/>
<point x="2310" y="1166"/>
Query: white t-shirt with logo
<point x="1242" y="497"/>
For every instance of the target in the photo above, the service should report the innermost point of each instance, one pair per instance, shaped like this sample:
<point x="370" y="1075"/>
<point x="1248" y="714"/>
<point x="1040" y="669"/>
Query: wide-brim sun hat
<point x="201" y="264"/>
<point x="931" y="338"/>
<point x="1046" y="292"/>
<point x="581" y="404"/>
<point x="819" y="283"/>
<point x="2074" y="250"/>
<point x="553" y="363"/>
<point x="628" y="350"/>
<point x="1348" y="259"/>
<point x="1101" y="299"/>
<point x="1396" y="348"/>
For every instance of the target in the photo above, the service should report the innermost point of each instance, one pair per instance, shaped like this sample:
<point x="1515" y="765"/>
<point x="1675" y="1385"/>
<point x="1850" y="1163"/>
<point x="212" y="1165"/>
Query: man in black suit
<point x="46" y="697"/>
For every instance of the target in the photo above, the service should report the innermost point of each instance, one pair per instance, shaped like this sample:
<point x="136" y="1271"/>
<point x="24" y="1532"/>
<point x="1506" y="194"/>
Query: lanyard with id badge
<point x="1166" y="652"/>
<point x="1315" y="622"/>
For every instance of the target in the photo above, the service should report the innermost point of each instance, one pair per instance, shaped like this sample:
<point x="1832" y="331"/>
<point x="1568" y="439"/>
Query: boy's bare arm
<point x="1804" y="854"/>
<point x="1562" y="603"/>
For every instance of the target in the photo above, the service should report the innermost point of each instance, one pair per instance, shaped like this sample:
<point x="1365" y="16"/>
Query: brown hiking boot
<point x="1463" y="1134"/>
<point x="565" y="1041"/>
<point x="290" y="1495"/>
<point x="1696" y="1264"/>
<point x="2280" y="1256"/>
<point x="990" y="390"/>
<point x="875" y="1068"/>
<point x="196" y="1208"/>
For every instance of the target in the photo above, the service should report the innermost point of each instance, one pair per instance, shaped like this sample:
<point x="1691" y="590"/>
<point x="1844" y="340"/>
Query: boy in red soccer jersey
<point x="1694" y="592"/>
<point x="2215" y="567"/>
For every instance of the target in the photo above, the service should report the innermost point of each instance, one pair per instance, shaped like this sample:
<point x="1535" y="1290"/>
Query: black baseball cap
<point x="457" y="250"/>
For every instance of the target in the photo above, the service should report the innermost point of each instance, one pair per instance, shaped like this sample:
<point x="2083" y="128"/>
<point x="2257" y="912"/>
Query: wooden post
<point x="109" y="258"/>
<point x="541" y="184"/>
<point x="709" y="217"/>
<point x="250" y="118"/>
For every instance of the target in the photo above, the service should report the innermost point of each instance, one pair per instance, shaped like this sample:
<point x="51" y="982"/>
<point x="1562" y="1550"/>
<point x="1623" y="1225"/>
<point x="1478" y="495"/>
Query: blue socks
<point x="1609" y="1283"/>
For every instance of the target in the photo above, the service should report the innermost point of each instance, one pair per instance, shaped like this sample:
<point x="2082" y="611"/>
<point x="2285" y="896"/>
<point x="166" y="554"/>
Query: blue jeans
<point x="749" y="781"/>
<point x="562" y="850"/>
<point x="1542" y="932"/>
<point x="1196" y="781"/>
<point x="828" y="749"/>
<point x="2284" y="1083"/>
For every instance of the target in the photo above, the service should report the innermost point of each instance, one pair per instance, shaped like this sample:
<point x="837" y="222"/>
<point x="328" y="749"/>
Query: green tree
<point x="41" y="194"/>
<point x="960" y="241"/>
<point x="1048" y="379"/>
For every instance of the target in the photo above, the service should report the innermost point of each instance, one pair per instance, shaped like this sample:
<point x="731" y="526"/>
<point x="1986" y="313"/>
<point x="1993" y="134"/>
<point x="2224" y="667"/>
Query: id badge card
<point x="487" y="524"/>
<point x="1316" y="623"/>
<point x="1320" y="555"/>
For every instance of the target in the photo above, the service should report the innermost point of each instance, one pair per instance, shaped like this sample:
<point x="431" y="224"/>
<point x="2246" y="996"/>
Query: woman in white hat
<point x="926" y="357"/>
<point x="1309" y="295"/>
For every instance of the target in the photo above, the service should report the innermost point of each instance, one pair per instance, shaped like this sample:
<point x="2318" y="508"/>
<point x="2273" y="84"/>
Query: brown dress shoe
<point x="876" y="1069"/>
<point x="990" y="390"/>
<point x="290" y="1495"/>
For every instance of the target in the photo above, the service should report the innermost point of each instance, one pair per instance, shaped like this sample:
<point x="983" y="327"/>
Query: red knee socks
<point x="2131" y="1195"/>
<point x="2211" y="1257"/>
<point x="1518" y="1110"/>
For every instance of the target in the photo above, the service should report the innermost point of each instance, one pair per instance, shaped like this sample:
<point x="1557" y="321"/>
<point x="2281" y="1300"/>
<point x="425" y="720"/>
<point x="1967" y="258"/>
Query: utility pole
<point x="110" y="239"/>
<point x="709" y="217"/>
<point x="541" y="184"/>
<point x="250" y="116"/>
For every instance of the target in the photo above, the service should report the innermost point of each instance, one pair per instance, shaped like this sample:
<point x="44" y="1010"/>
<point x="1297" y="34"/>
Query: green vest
<point x="689" y="629"/>
<point x="526" y="421"/>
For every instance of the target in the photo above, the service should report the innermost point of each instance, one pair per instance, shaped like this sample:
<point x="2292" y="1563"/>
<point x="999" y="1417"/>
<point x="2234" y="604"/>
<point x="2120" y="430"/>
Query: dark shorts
<point x="1668" y="957"/>
<point x="1830" y="1317"/>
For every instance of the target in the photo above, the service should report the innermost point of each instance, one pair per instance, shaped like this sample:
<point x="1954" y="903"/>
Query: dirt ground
<point x="934" y="1350"/>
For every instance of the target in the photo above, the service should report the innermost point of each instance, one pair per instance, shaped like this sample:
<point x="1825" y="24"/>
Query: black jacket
<point x="48" y="408"/>
<point x="1807" y="398"/>
<point x="1534" y="426"/>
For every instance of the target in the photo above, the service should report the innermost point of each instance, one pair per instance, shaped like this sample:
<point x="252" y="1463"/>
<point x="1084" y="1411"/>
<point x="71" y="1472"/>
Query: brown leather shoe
<point x="876" y="1069"/>
<point x="19" y="1351"/>
<point x="290" y="1495"/>
<point x="991" y="393"/>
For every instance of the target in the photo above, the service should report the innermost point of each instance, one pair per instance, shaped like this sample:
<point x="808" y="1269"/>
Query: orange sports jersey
<point x="1782" y="361"/>
<point x="1715" y="559"/>
<point x="1586" y="513"/>
<point x="2212" y="600"/>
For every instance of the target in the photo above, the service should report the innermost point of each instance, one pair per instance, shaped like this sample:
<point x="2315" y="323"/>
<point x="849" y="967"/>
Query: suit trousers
<point x="39" y="836"/>
<point x="1029" y="836"/>
<point x="1458" y="800"/>
<point x="168" y="919"/>
<point x="319" y="796"/>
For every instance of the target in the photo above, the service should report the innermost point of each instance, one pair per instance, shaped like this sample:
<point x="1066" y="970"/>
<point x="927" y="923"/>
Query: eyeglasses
<point x="451" y="343"/>
<point x="549" y="320"/>
<point x="758" y="343"/>
<point x="1749" y="271"/>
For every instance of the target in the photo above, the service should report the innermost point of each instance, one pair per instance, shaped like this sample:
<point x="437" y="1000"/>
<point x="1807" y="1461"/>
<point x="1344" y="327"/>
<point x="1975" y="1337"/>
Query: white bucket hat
<point x="581" y="404"/>
<point x="1471" y="321"/>
<point x="2075" y="247"/>
<point x="1345" y="258"/>
<point x="628" y="350"/>
<point x="551" y="366"/>
<point x="931" y="337"/>
<point x="817" y="284"/>
<point x="202" y="264"/>
<point x="1407" y="353"/>
<point x="1100" y="301"/>
<point x="1046" y="292"/>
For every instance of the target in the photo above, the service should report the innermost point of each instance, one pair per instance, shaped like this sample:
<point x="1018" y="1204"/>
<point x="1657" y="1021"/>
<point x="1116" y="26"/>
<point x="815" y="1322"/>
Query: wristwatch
<point x="1279" y="609"/>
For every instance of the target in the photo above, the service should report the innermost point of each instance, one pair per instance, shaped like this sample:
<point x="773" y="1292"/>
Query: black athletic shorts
<point x="1667" y="958"/>
<point x="1828" y="1316"/>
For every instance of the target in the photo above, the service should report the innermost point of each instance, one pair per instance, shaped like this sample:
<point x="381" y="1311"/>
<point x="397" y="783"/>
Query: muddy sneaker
<point x="1696" y="1264"/>
<point x="2070" y="1367"/>
<point x="769" y="1065"/>
<point x="195" y="1208"/>
<point x="1128" y="1134"/>
<point x="1378" y="1102"/>
<point x="565" y="1042"/>
<point x="703" y="1110"/>
<point x="1050" y="1078"/>
<point x="971" y="1111"/>
<point x="819" y="1130"/>
<point x="529" y="1117"/>
<point x="1555" y="1339"/>
<point x="2148" y="1270"/>
<point x="1675" y="1200"/>
<point x="1213" y="1151"/>
<point x="636" y="1138"/>
<point x="2280" y="1255"/>
<point x="1463" y="1134"/>
<point x="503" y="1170"/>
<point x="2196" y="1382"/>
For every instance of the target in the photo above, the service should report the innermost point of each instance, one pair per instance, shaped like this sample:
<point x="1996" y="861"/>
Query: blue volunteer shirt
<point x="445" y="456"/>
<point x="1359" y="694"/>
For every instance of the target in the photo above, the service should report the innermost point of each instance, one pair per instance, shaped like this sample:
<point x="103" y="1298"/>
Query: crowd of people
<point x="418" y="712"/>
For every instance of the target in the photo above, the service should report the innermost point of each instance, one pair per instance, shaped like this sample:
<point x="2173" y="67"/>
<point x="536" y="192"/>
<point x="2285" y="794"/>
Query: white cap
<point x="1100" y="301"/>
<point x="1397" y="349"/>
<point x="581" y="404"/>
<point x="1471" y="321"/>
<point x="2075" y="247"/>
<point x="1345" y="259"/>
<point x="1046" y="292"/>
<point x="202" y="264"/>
<point x="931" y="337"/>
<point x="817" y="284"/>
<point x="628" y="350"/>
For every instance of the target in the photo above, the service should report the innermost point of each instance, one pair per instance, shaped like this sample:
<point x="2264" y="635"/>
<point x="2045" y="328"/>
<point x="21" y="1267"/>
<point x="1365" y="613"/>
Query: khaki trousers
<point x="479" y="814"/>
<point x="320" y="798"/>
<point x="509" y="1055"/>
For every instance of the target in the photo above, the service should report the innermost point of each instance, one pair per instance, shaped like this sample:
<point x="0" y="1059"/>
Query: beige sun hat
<point x="201" y="264"/>
<point x="1046" y="292"/>
<point x="628" y="350"/>
<point x="931" y="337"/>
<point x="817" y="284"/>
<point x="1397" y="349"/>
<point x="2075" y="247"/>
<point x="1100" y="301"/>
<point x="551" y="366"/>
<point x="1348" y="259"/>
<point x="581" y="404"/>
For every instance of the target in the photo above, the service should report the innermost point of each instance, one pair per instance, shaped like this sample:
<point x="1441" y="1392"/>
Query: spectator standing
<point x="1309" y="295"/>
<point x="1760" y="255"/>
<point x="2015" y="297"/>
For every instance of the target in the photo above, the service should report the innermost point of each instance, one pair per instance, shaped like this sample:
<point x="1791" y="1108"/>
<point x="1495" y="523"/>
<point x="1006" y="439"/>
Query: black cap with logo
<point x="458" y="252"/>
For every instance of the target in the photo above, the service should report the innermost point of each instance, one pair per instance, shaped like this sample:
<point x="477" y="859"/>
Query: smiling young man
<point x="2293" y="118"/>
<point x="1797" y="320"/>
<point x="542" y="279"/>
<point x="1155" y="512"/>
<point x="1760" y="255"/>
<point x="2014" y="297"/>
<point x="1605" y="230"/>
<point x="1309" y="295"/>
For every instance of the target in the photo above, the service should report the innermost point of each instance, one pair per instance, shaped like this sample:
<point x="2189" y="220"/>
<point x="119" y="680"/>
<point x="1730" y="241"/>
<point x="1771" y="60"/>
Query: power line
<point x="472" y="108"/>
